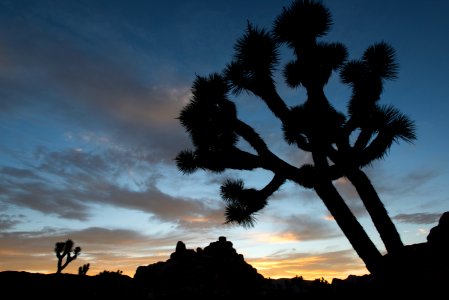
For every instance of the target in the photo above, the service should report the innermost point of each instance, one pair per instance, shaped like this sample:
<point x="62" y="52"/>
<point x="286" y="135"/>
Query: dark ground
<point x="24" y="285"/>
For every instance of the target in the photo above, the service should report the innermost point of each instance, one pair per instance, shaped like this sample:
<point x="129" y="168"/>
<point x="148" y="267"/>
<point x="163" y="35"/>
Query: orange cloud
<point x="284" y="237"/>
<point x="330" y="265"/>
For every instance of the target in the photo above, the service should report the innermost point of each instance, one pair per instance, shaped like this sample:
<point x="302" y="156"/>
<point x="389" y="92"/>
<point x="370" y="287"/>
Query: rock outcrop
<point x="421" y="269"/>
<point x="215" y="271"/>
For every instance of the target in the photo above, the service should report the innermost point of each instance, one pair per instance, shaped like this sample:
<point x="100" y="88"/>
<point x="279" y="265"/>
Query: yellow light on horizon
<point x="289" y="268"/>
<point x="286" y="237"/>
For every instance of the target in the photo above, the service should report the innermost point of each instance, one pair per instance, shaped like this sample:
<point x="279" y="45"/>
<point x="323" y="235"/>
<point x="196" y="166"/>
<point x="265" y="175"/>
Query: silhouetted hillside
<point x="421" y="268"/>
<point x="24" y="285"/>
<point x="219" y="272"/>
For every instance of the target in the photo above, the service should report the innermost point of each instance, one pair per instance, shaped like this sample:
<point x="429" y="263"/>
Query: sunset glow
<point x="90" y="96"/>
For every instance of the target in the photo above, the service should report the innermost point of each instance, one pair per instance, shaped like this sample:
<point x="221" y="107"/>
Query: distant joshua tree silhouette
<point x="340" y="144"/>
<point x="82" y="270"/>
<point x="65" y="250"/>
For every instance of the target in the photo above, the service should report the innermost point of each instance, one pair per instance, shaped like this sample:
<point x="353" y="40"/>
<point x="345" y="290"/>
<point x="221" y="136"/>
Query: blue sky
<point x="89" y="96"/>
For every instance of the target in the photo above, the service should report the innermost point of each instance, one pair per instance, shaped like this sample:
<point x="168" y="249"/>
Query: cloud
<point x="387" y="186"/>
<point x="308" y="228"/>
<point x="298" y="227"/>
<point x="45" y="239"/>
<point x="408" y="183"/>
<point x="329" y="265"/>
<point x="153" y="201"/>
<point x="67" y="183"/>
<point x="418" y="218"/>
<point x="9" y="221"/>
<point x="214" y="219"/>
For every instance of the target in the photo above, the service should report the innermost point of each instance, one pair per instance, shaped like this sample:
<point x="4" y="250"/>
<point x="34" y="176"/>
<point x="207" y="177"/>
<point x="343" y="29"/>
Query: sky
<point x="90" y="92"/>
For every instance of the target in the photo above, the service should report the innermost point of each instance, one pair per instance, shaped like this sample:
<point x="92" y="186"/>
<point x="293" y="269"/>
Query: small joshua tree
<point x="65" y="250"/>
<point x="82" y="270"/>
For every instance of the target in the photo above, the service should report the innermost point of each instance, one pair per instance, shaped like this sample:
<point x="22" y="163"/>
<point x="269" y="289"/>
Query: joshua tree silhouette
<point x="65" y="250"/>
<point x="377" y="126"/>
<point x="315" y="126"/>
<point x="82" y="270"/>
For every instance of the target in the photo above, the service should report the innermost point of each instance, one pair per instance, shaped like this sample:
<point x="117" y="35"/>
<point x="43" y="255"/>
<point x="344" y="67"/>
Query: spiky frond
<point x="293" y="73"/>
<point x="381" y="60"/>
<point x="208" y="127"/>
<point x="391" y="126"/>
<point x="209" y="88"/>
<point x="255" y="59"/>
<point x="241" y="203"/>
<point x="231" y="189"/>
<point x="209" y="115"/>
<point x="256" y="51"/>
<point x="353" y="72"/>
<point x="302" y="22"/>
<point x="332" y="54"/>
<point x="395" y="123"/>
<point x="69" y="245"/>
<point x="315" y="67"/>
<point x="321" y="61"/>
<point x="366" y="77"/>
<point x="366" y="86"/>
<point x="235" y="213"/>
<point x="186" y="162"/>
<point x="59" y="247"/>
<point x="211" y="158"/>
<point x="238" y="78"/>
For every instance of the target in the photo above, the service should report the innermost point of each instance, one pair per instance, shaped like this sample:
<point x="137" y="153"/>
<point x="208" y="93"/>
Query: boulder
<point x="215" y="271"/>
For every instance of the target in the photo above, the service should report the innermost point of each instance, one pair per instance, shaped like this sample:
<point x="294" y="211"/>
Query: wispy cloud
<point x="408" y="183"/>
<point x="307" y="228"/>
<point x="310" y="265"/>
<point x="9" y="221"/>
<point x="418" y="218"/>
<point x="67" y="182"/>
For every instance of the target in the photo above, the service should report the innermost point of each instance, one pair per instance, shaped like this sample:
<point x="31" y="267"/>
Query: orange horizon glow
<point x="266" y="273"/>
<point x="273" y="269"/>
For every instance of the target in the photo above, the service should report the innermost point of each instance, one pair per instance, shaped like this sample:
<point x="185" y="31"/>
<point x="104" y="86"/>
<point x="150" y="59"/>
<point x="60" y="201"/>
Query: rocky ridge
<point x="217" y="270"/>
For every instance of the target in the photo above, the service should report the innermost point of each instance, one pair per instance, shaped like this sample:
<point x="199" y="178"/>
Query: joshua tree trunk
<point x="379" y="215"/>
<point x="351" y="228"/>
<point x="345" y="219"/>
